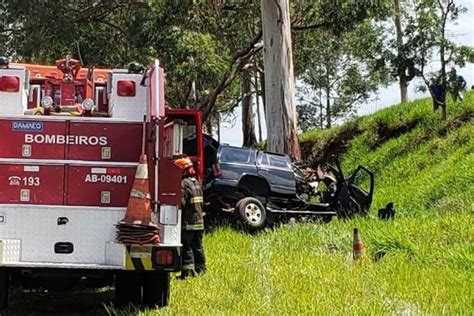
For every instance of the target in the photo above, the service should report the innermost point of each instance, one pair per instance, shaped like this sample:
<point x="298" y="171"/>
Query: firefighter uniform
<point x="194" y="260"/>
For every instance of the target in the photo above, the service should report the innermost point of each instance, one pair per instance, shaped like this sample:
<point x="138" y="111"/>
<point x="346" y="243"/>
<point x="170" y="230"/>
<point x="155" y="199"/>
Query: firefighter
<point x="194" y="261"/>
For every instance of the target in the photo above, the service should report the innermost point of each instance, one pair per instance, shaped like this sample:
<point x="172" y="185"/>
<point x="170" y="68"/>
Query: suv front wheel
<point x="252" y="212"/>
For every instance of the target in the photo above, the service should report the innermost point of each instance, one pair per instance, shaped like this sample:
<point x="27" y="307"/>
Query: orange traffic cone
<point x="357" y="245"/>
<point x="136" y="227"/>
<point x="139" y="203"/>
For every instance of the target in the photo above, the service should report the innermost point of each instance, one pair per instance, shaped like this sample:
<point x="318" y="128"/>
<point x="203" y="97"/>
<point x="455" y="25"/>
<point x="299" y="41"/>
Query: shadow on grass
<point x="73" y="302"/>
<point x="216" y="222"/>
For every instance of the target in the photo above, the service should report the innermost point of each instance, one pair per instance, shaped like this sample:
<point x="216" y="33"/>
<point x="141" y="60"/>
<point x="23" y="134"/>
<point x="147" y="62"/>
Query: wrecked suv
<point x="259" y="186"/>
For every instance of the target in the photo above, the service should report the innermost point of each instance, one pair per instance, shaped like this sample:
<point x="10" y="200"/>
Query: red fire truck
<point x="70" y="142"/>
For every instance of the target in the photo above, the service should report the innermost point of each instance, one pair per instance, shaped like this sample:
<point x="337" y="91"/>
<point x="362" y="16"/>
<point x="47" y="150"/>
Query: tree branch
<point x="239" y="60"/>
<point x="310" y="26"/>
<point x="115" y="26"/>
<point x="8" y="30"/>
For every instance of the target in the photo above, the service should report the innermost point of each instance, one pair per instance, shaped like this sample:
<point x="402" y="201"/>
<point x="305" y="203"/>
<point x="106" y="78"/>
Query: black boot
<point x="186" y="274"/>
<point x="201" y="269"/>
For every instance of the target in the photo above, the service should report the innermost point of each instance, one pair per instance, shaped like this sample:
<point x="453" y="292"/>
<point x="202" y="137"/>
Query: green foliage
<point x="424" y="35"/>
<point x="309" y="116"/>
<point x="340" y="72"/>
<point x="196" y="41"/>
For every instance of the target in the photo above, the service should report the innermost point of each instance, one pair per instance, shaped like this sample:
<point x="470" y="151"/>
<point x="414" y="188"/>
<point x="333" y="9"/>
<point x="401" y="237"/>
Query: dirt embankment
<point x="328" y="150"/>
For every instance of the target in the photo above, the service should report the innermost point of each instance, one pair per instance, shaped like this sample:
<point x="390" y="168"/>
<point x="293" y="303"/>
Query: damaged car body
<point x="260" y="187"/>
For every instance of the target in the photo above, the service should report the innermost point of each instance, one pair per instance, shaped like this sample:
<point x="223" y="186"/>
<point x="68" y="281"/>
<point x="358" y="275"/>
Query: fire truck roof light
<point x="126" y="88"/>
<point x="88" y="104"/>
<point x="9" y="83"/>
<point x="47" y="102"/>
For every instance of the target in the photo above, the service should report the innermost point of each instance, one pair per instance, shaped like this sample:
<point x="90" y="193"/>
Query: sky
<point x="462" y="33"/>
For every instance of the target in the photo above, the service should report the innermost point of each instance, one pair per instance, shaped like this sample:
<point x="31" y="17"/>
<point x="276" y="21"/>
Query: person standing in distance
<point x="193" y="258"/>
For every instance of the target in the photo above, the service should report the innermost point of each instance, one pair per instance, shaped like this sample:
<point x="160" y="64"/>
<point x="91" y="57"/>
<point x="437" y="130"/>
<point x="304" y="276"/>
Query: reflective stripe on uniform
<point x="198" y="226"/>
<point x="197" y="199"/>
<point x="188" y="267"/>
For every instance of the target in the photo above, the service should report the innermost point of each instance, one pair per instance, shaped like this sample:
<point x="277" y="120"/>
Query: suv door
<point x="235" y="162"/>
<point x="278" y="171"/>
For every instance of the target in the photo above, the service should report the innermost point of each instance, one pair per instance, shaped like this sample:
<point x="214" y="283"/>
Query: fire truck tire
<point x="4" y="278"/>
<point x="156" y="289"/>
<point x="128" y="288"/>
<point x="252" y="213"/>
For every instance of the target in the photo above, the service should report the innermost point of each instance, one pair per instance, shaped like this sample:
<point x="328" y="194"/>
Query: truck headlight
<point x="88" y="104"/>
<point x="47" y="102"/>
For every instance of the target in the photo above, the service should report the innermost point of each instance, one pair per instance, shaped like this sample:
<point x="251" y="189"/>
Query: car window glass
<point x="235" y="155"/>
<point x="278" y="161"/>
<point x="263" y="159"/>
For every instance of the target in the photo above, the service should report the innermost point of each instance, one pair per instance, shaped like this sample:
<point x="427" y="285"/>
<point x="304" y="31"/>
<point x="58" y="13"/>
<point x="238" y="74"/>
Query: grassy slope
<point x="421" y="263"/>
<point x="429" y="167"/>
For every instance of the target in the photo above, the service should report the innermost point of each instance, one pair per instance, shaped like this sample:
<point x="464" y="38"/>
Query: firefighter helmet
<point x="183" y="163"/>
<point x="186" y="166"/>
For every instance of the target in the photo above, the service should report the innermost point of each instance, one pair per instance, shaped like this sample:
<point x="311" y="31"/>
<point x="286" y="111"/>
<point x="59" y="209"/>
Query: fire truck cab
<point x="70" y="143"/>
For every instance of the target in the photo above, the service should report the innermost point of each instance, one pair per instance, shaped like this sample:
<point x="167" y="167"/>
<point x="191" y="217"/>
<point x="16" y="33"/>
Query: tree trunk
<point x="443" y="81"/>
<point x="262" y="85"/>
<point x="321" y="110"/>
<point x="248" y="123"/>
<point x="328" y="107"/>
<point x="328" y="98"/>
<point x="218" y="127"/>
<point x="208" y="126"/>
<point x="442" y="48"/>
<point x="402" y="80"/>
<point x="281" y="115"/>
<point x="403" y="90"/>
<point x="257" y="103"/>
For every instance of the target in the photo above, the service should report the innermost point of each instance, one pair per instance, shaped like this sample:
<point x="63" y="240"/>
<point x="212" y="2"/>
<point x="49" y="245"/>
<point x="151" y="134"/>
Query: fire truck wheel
<point x="156" y="289"/>
<point x="252" y="212"/>
<point x="3" y="288"/>
<point x="128" y="288"/>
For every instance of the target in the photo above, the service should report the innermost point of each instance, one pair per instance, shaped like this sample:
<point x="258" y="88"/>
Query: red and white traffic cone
<point x="139" y="202"/>
<point x="136" y="227"/>
<point x="357" y="245"/>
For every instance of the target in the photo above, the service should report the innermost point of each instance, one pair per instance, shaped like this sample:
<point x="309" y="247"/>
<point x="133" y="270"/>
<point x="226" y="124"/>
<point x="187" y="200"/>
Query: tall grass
<point x="412" y="266"/>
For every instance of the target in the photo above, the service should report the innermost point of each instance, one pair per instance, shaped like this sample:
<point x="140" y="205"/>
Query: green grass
<point x="411" y="265"/>
<point x="420" y="263"/>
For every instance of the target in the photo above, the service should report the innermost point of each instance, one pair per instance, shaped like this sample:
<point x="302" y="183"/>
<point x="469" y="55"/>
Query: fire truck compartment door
<point x="105" y="141"/>
<point x="31" y="184"/>
<point x="32" y="139"/>
<point x="99" y="186"/>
